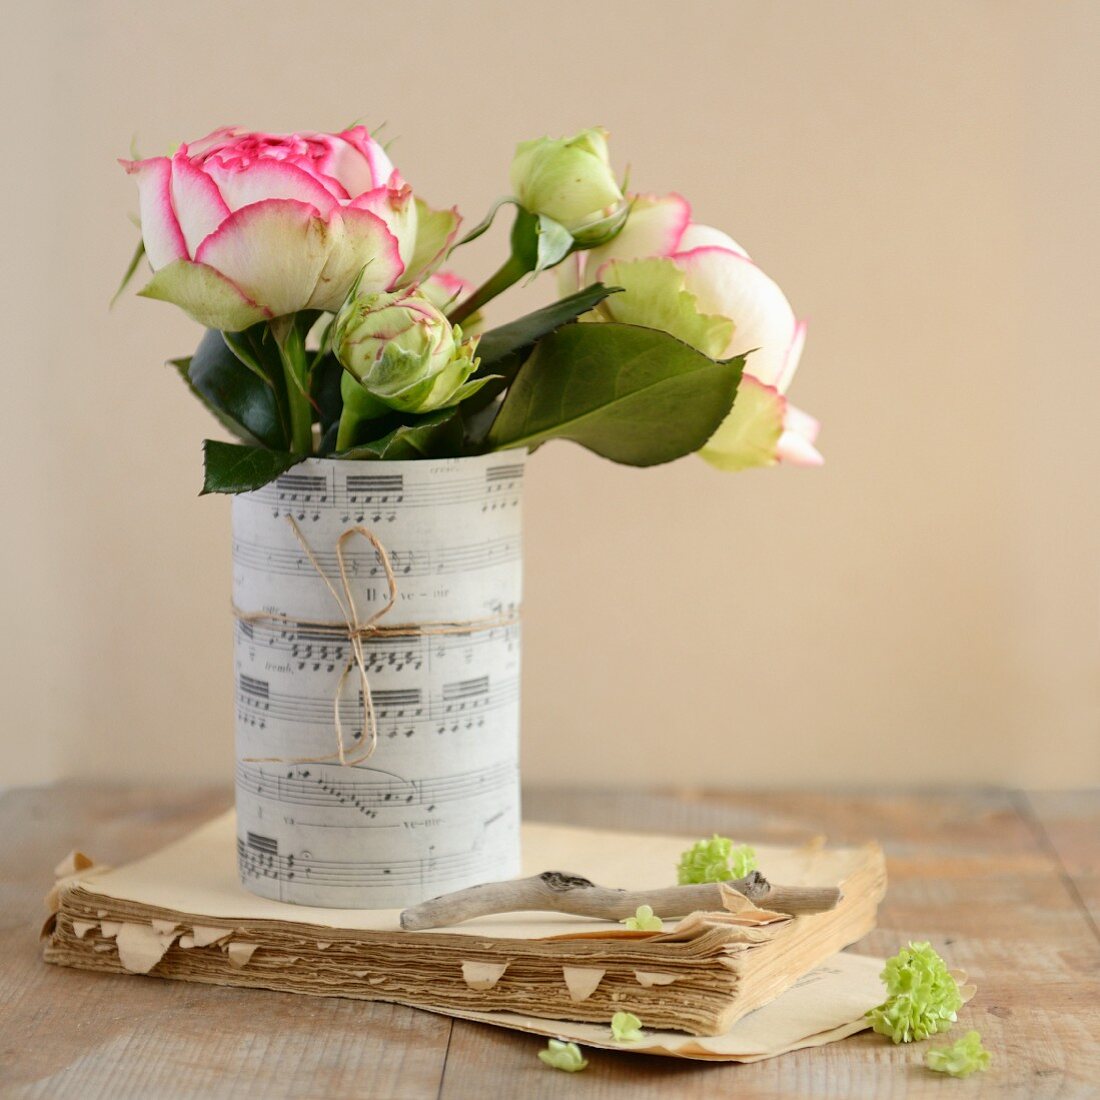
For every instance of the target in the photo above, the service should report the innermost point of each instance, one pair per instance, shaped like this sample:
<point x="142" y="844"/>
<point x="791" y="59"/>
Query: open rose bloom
<point x="701" y="286"/>
<point x="243" y="227"/>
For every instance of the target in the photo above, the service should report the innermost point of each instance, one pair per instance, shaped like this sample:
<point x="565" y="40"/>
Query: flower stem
<point x="510" y="272"/>
<point x="292" y="354"/>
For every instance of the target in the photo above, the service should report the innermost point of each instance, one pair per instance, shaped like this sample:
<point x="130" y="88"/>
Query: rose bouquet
<point x="337" y="327"/>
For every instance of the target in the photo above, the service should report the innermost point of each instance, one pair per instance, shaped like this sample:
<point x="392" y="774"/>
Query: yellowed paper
<point x="567" y="969"/>
<point x="198" y="874"/>
<point x="821" y="1007"/>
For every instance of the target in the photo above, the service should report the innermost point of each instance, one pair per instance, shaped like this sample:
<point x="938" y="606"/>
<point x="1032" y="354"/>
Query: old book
<point x="181" y="913"/>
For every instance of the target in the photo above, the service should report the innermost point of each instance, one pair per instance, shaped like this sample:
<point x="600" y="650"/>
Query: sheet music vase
<point x="435" y="806"/>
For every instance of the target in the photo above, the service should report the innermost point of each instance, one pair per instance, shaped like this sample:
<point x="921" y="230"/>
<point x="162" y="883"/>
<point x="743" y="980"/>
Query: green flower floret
<point x="626" y="1027"/>
<point x="644" y="920"/>
<point x="716" y="860"/>
<point x="962" y="1058"/>
<point x="922" y="997"/>
<point x="562" y="1055"/>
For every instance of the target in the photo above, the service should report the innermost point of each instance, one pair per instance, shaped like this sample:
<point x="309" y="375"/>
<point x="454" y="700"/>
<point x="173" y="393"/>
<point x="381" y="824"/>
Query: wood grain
<point x="1000" y="882"/>
<point x="101" y="1037"/>
<point x="1069" y="821"/>
<point x="966" y="871"/>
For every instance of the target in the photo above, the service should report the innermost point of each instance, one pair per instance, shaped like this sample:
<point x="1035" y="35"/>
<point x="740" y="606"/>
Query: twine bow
<point x="356" y="631"/>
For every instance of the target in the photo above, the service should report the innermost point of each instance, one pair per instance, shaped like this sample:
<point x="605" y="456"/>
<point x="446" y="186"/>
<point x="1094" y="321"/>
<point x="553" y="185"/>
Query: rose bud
<point x="400" y="352"/>
<point x="570" y="181"/>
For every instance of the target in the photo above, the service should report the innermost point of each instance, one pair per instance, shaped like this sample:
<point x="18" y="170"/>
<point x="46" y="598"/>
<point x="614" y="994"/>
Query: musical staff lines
<point x="450" y="560"/>
<point x="456" y="706"/>
<point x="257" y="859"/>
<point x="377" y="498"/>
<point x="369" y="791"/>
<point x="436" y="805"/>
<point x="316" y="650"/>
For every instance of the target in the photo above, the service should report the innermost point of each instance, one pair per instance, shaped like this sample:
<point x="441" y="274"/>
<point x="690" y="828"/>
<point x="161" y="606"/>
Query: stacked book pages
<point x="181" y="913"/>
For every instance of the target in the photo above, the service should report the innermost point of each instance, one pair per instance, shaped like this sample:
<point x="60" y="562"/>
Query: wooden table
<point x="1005" y="884"/>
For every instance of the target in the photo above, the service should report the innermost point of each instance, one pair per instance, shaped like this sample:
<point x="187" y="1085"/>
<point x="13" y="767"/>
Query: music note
<point x="435" y="807"/>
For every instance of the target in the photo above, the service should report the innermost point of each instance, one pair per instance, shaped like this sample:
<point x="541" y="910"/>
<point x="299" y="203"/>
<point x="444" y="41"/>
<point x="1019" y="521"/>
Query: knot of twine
<point x="356" y="631"/>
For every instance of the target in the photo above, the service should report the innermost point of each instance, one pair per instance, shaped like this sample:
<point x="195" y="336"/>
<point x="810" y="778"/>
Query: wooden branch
<point x="560" y="892"/>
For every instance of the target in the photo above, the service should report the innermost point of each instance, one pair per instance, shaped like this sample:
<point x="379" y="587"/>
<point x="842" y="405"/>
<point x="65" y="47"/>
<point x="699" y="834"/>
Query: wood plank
<point x="1070" y="823"/>
<point x="72" y="1033"/>
<point x="967" y="872"/>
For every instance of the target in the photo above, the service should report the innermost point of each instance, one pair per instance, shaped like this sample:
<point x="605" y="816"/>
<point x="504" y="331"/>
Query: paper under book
<point x="181" y="913"/>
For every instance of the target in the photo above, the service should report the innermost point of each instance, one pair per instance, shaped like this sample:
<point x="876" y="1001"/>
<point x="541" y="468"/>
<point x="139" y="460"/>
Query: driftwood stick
<point x="561" y="892"/>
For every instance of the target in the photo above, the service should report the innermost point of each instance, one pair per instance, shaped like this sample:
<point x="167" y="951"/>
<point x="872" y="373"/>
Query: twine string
<point x="356" y="631"/>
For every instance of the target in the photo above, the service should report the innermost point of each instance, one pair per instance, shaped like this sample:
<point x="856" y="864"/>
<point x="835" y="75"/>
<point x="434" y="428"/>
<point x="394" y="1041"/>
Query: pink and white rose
<point x="240" y="227"/>
<point x="699" y="284"/>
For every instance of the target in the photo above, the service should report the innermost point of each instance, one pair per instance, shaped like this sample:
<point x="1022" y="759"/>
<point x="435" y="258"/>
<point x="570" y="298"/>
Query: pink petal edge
<point x="164" y="240"/>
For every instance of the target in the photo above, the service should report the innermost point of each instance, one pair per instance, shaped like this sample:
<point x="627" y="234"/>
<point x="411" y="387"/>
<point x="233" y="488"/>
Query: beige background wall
<point x="919" y="177"/>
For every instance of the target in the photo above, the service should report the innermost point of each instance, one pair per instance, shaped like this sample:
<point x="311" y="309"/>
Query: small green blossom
<point x="626" y="1027"/>
<point x="644" y="920"/>
<point x="961" y="1058"/>
<point x="716" y="860"/>
<point x="922" y="998"/>
<point x="562" y="1055"/>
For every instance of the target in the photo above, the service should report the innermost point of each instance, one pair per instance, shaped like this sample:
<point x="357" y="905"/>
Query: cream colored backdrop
<point x="921" y="178"/>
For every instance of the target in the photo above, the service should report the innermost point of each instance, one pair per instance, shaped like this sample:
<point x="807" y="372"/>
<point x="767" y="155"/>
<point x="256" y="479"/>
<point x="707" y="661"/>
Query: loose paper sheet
<point x="821" y="1007"/>
<point x="436" y="807"/>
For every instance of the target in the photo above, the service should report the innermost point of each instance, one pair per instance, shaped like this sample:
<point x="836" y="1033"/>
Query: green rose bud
<point x="403" y="352"/>
<point x="570" y="181"/>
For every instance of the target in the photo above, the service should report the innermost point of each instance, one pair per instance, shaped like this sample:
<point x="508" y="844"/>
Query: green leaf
<point x="501" y="343"/>
<point x="631" y="394"/>
<point x="233" y="468"/>
<point x="222" y="417"/>
<point x="135" y="260"/>
<point x="243" y="393"/>
<point x="436" y="435"/>
<point x="502" y="351"/>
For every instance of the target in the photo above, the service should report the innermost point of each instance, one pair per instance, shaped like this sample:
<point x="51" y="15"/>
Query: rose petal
<point x="802" y="423"/>
<point x="796" y="444"/>
<point x="274" y="251"/>
<point x="348" y="171"/>
<point x="796" y="451"/>
<point x="794" y="356"/>
<point x="268" y="178"/>
<point x="198" y="204"/>
<point x="729" y="284"/>
<point x="705" y="236"/>
<point x="360" y="241"/>
<point x="160" y="230"/>
<point x="653" y="228"/>
<point x="444" y="288"/>
<point x="395" y="206"/>
<point x="216" y="139"/>
<point x="206" y="295"/>
<point x="751" y="432"/>
<point x="435" y="233"/>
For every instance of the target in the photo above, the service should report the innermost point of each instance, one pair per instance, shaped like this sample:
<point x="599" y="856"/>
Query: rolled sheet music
<point x="435" y="806"/>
